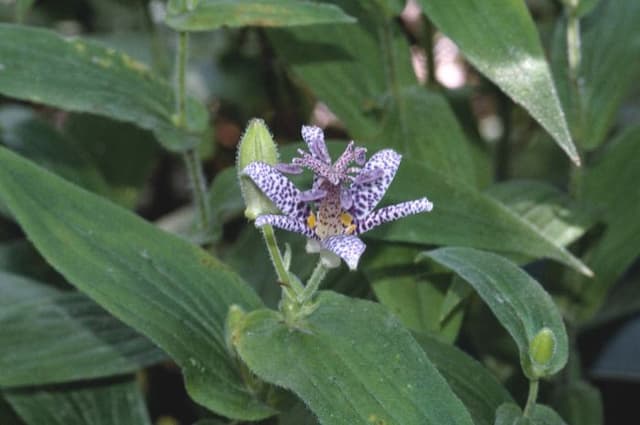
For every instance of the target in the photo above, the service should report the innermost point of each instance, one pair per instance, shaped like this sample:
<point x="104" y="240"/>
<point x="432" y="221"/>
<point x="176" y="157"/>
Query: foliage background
<point x="393" y="79"/>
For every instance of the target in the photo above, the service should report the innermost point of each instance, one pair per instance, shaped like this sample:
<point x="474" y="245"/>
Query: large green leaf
<point x="62" y="336"/>
<point x="80" y="75"/>
<point x="556" y="216"/>
<point x="352" y="68"/>
<point x="478" y="389"/>
<point x="352" y="363"/>
<point x="102" y="404"/>
<point x="519" y="302"/>
<point x="500" y="39"/>
<point x="612" y="186"/>
<point x="510" y="414"/>
<point x="169" y="290"/>
<point x="211" y="14"/>
<point x="610" y="46"/>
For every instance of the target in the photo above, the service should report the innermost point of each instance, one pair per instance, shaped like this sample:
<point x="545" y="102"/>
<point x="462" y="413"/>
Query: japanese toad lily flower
<point x="341" y="203"/>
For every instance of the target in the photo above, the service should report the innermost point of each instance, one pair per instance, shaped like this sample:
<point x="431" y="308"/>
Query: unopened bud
<point x="542" y="347"/>
<point x="256" y="145"/>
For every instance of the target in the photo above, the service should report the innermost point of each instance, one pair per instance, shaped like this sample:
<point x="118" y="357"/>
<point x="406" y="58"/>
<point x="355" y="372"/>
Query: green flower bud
<point x="235" y="316"/>
<point x="256" y="145"/>
<point x="542" y="347"/>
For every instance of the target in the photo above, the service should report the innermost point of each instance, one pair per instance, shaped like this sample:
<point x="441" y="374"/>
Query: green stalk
<point x="190" y="157"/>
<point x="290" y="286"/>
<point x="313" y="284"/>
<point x="531" y="399"/>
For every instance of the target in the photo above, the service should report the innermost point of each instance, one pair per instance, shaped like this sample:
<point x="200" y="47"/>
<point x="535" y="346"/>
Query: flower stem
<point x="190" y="157"/>
<point x="531" y="399"/>
<point x="289" y="285"/>
<point x="314" y="282"/>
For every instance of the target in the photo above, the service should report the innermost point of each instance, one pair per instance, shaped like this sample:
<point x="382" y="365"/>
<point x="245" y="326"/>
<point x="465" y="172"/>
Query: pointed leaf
<point x="352" y="363"/>
<point x="474" y="385"/>
<point x="169" y="290"/>
<point x="501" y="40"/>
<point x="209" y="15"/>
<point x="103" y="404"/>
<point x="80" y="75"/>
<point x="60" y="336"/>
<point x="519" y="302"/>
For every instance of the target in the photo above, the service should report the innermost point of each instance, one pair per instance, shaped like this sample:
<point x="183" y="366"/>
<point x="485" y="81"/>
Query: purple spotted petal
<point x="368" y="176"/>
<point x="278" y="188"/>
<point x="346" y="202"/>
<point x="367" y="194"/>
<point x="314" y="137"/>
<point x="312" y="195"/>
<point x="286" y="223"/>
<point x="289" y="168"/>
<point x="360" y="155"/>
<point x="392" y="213"/>
<point x="349" y="248"/>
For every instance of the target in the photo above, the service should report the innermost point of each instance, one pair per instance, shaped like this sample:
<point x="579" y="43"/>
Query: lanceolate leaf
<point x="57" y="336"/>
<point x="211" y="14"/>
<point x="352" y="363"/>
<point x="79" y="75"/>
<point x="102" y="404"/>
<point x="474" y="385"/>
<point x="517" y="300"/>
<point x="169" y="290"/>
<point x="500" y="39"/>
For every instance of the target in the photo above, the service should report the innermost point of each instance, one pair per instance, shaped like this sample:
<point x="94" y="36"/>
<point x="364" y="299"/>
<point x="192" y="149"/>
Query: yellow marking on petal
<point x="311" y="221"/>
<point x="350" y="229"/>
<point x="346" y="219"/>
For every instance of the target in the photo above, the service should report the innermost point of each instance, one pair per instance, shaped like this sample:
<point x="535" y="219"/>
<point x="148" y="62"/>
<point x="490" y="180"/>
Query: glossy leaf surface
<point x="60" y="336"/>
<point x="519" y="302"/>
<point x="169" y="290"/>
<point x="80" y="75"/>
<point x="351" y="362"/>
<point x="208" y="15"/>
<point x="500" y="39"/>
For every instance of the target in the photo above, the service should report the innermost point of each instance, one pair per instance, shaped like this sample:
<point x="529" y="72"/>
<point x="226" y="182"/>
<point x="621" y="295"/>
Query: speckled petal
<point x="349" y="248"/>
<point x="289" y="168"/>
<point x="285" y="223"/>
<point x="366" y="193"/>
<point x="392" y="213"/>
<point x="314" y="137"/>
<point x="278" y="189"/>
<point x="346" y="202"/>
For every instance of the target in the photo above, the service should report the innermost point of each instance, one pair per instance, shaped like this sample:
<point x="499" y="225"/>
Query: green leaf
<point x="519" y="302"/>
<point x="474" y="385"/>
<point x="457" y="293"/>
<point x="225" y="200"/>
<point x="609" y="39"/>
<point x="422" y="125"/>
<point x="579" y="403"/>
<point x="209" y="15"/>
<point x="509" y="414"/>
<point x="416" y="300"/>
<point x="80" y="75"/>
<point x="556" y="216"/>
<point x="22" y="9"/>
<point x="501" y="40"/>
<point x="611" y="185"/>
<point x="352" y="68"/>
<point x="20" y="257"/>
<point x="125" y="155"/>
<point x="38" y="141"/>
<point x="103" y="404"/>
<point x="169" y="290"/>
<point x="352" y="363"/>
<point x="465" y="217"/>
<point x="60" y="336"/>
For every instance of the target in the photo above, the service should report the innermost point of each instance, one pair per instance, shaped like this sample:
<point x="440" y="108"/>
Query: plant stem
<point x="314" y="281"/>
<point x="199" y="189"/>
<point x="531" y="399"/>
<point x="289" y="285"/>
<point x="191" y="157"/>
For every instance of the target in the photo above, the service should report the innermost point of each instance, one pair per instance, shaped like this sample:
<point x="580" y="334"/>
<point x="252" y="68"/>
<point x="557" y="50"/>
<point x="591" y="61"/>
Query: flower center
<point x="331" y="219"/>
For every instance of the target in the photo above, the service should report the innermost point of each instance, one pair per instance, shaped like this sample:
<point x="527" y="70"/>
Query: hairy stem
<point x="531" y="399"/>
<point x="314" y="281"/>
<point x="291" y="287"/>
